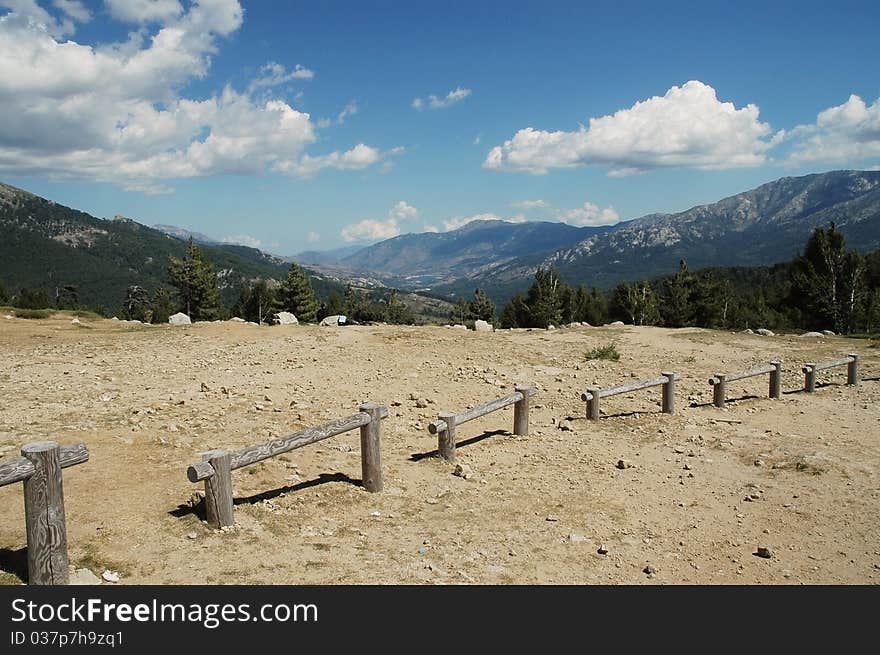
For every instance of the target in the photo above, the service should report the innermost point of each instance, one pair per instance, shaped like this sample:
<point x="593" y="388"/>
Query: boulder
<point x="828" y="333"/>
<point x="236" y="319"/>
<point x="747" y="331"/>
<point x="812" y="334"/>
<point x="179" y="319"/>
<point x="460" y="327"/>
<point x="764" y="332"/>
<point x="615" y="324"/>
<point x="285" y="318"/>
<point x="332" y="321"/>
<point x="483" y="326"/>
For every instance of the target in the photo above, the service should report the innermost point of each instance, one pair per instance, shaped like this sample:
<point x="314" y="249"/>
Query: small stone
<point x="83" y="577"/>
<point x="650" y="570"/>
<point x="192" y="535"/>
<point x="552" y="518"/>
<point x="204" y="388"/>
<point x="576" y="538"/>
<point x="463" y="471"/>
<point x="623" y="464"/>
<point x="759" y="462"/>
<point x="764" y="552"/>
<point x="602" y="550"/>
<point x="110" y="576"/>
<point x="687" y="467"/>
<point x="421" y="403"/>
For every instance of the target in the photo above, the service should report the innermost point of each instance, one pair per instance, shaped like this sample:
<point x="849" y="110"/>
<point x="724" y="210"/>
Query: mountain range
<point x="45" y="245"/>
<point x="762" y="226"/>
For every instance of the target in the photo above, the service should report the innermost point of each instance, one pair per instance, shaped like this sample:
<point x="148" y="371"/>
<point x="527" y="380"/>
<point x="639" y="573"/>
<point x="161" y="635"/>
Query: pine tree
<point x="396" y="312"/>
<point x="637" y="302"/>
<point x="676" y="308"/>
<point x="136" y="303"/>
<point x="461" y="311"/>
<point x="196" y="283"/>
<point x="161" y="307"/>
<point x="545" y="299"/>
<point x="482" y="307"/>
<point x="4" y="297"/>
<point x="297" y="296"/>
<point x="516" y="313"/>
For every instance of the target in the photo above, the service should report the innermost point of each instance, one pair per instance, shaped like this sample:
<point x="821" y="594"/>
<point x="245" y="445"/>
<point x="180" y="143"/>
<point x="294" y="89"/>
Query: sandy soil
<point x="706" y="488"/>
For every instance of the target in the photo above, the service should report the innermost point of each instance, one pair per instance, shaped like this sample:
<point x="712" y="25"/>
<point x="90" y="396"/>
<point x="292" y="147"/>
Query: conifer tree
<point x="482" y="307"/>
<point x="196" y="283"/>
<point x="297" y="296"/>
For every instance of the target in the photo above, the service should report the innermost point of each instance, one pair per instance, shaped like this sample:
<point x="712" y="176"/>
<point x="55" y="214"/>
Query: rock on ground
<point x="764" y="332"/>
<point x="483" y="326"/>
<point x="285" y="318"/>
<point x="179" y="319"/>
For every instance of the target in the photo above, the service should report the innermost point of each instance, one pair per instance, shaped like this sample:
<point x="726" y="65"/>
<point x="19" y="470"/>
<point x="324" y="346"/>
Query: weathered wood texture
<point x="669" y="392"/>
<point x="44" y="515"/>
<point x="627" y="388"/>
<point x="218" y="490"/>
<point x="446" y="436"/>
<point x="481" y="410"/>
<point x="20" y="468"/>
<point x="255" y="454"/>
<point x="719" y="381"/>
<point x="521" y="410"/>
<point x="593" y="395"/>
<point x="371" y="448"/>
<point x="811" y="368"/>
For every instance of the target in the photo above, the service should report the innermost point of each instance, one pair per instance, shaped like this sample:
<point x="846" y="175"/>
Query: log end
<point x="200" y="471"/>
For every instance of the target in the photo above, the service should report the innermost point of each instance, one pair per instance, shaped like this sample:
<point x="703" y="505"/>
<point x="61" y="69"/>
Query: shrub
<point x="608" y="352"/>
<point x="33" y="313"/>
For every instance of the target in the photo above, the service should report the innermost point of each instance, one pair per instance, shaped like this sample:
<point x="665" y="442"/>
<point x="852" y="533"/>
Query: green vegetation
<point x="196" y="282"/>
<point x="33" y="313"/>
<point x="607" y="352"/>
<point x="828" y="287"/>
<point x="479" y="308"/>
<point x="297" y="296"/>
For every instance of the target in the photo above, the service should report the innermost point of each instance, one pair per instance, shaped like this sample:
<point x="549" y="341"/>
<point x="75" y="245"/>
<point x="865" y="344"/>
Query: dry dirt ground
<point x="706" y="488"/>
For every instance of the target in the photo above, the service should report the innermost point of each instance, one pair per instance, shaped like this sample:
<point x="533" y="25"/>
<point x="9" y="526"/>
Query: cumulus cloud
<point x="117" y="113"/>
<point x="847" y="132"/>
<point x="371" y="229"/>
<point x="434" y="102"/>
<point x="686" y="127"/>
<point x="588" y="214"/>
<point x="73" y="8"/>
<point x="143" y="11"/>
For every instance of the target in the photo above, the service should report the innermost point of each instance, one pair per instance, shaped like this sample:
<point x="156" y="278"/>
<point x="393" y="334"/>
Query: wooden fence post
<point x="593" y="404"/>
<point x="446" y="438"/>
<point x="218" y="490"/>
<point x="521" y="411"/>
<point x="810" y="377"/>
<point x="371" y="448"/>
<point x="669" y="392"/>
<point x="719" y="391"/>
<point x="776" y="380"/>
<point x="44" y="515"/>
<point x="852" y="369"/>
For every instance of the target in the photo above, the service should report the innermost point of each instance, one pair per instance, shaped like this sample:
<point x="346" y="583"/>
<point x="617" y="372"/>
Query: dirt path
<point x="799" y="475"/>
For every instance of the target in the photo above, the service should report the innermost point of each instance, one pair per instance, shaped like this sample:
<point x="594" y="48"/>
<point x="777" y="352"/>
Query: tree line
<point x="193" y="288"/>
<point x="828" y="287"/>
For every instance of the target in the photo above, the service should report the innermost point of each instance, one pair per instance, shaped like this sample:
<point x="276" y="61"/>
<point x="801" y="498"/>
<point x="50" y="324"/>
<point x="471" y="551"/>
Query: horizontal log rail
<point x="217" y="465"/>
<point x="39" y="468"/>
<point x="719" y="381"/>
<point x="666" y="379"/>
<point x="447" y="422"/>
<point x="811" y="368"/>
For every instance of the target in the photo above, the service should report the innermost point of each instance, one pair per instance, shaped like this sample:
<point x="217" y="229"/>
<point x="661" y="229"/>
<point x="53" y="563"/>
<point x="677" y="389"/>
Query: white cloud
<point x="530" y="204"/>
<point x="243" y="240"/>
<point x="457" y="222"/>
<point x="274" y="74"/>
<point x="433" y="102"/>
<point x="73" y="8"/>
<point x="313" y="237"/>
<point x="588" y="214"/>
<point x="686" y="127"/>
<point x="144" y="11"/>
<point x="477" y="139"/>
<point x="371" y="229"/>
<point x="115" y="113"/>
<point x="846" y="133"/>
<point x="350" y="110"/>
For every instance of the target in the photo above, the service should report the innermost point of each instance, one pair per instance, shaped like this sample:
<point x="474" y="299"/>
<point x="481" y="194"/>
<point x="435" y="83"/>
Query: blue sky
<point x="294" y="126"/>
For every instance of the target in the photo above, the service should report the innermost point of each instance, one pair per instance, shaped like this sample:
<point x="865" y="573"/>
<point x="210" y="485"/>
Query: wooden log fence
<point x="447" y="422"/>
<point x="719" y="381"/>
<point x="667" y="379"/>
<point x="217" y="465"/>
<point x="39" y="468"/>
<point x="811" y="368"/>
